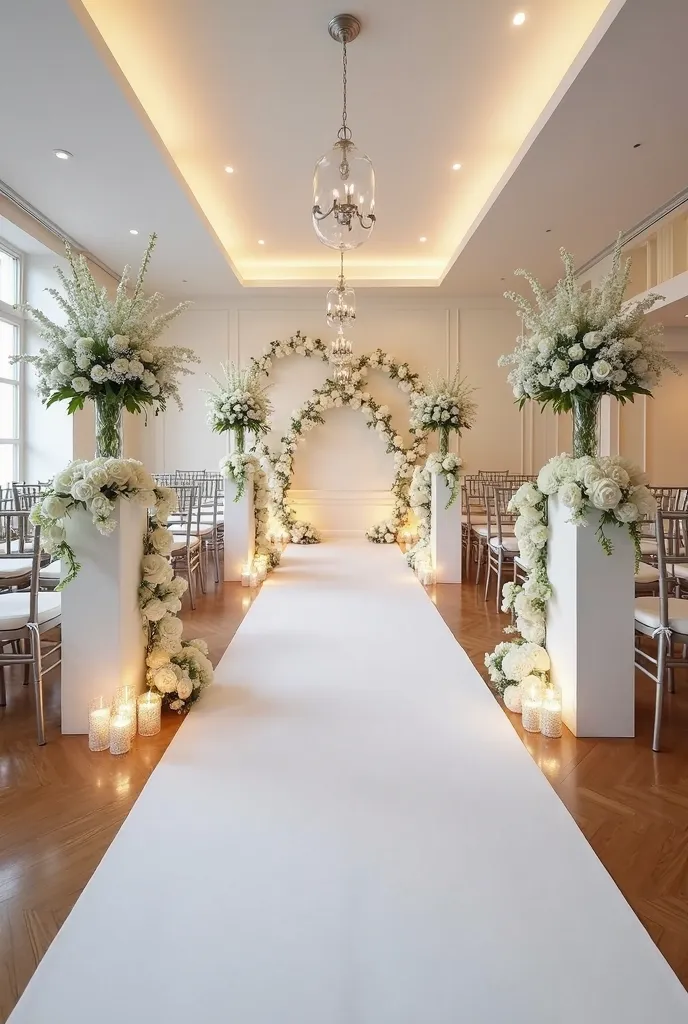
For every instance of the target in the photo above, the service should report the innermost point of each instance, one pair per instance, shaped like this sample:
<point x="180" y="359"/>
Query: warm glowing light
<point x="422" y="238"/>
<point x="133" y="231"/>
<point x="63" y="154"/>
<point x="519" y="18"/>
<point x="261" y="241"/>
<point x="456" y="167"/>
<point x="229" y="170"/>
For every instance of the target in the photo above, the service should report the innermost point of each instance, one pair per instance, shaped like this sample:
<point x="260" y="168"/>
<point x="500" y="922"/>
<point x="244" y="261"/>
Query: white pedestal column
<point x="445" y="532"/>
<point x="590" y="625"/>
<point x="103" y="643"/>
<point x="240" y="529"/>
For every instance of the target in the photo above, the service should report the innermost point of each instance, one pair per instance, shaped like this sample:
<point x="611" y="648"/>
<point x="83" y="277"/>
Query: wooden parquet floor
<point x="61" y="806"/>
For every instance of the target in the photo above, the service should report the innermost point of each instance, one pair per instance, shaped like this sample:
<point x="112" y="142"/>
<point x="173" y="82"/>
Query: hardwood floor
<point x="61" y="806"/>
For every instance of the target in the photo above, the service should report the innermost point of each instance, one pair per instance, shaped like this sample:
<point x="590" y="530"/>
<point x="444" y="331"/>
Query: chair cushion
<point x="647" y="613"/>
<point x="180" y="543"/>
<point x="508" y="544"/>
<point x="52" y="571"/>
<point x="14" y="609"/>
<point x="647" y="573"/>
<point x="482" y="531"/>
<point x="680" y="570"/>
<point x="15" y="567"/>
<point x="648" y="546"/>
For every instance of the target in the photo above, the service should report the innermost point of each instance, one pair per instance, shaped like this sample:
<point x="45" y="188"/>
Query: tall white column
<point x="445" y="532"/>
<point x="240" y="528"/>
<point x="103" y="642"/>
<point x="590" y="631"/>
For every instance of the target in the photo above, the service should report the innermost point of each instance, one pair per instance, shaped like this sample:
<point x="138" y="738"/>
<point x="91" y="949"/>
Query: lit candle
<point x="246" y="576"/>
<point x="253" y="581"/>
<point x="262" y="567"/>
<point x="550" y="713"/>
<point x="531" y="702"/>
<point x="124" y="705"/>
<point x="149" y="707"/>
<point x="98" y="725"/>
<point x="120" y="734"/>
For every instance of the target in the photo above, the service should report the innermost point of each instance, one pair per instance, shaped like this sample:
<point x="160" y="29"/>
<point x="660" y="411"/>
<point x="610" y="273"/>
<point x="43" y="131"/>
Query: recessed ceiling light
<point x="133" y="231"/>
<point x="685" y="314"/>
<point x="63" y="154"/>
<point x="261" y="241"/>
<point x="230" y="170"/>
<point x="519" y="18"/>
<point x="456" y="167"/>
<point x="422" y="238"/>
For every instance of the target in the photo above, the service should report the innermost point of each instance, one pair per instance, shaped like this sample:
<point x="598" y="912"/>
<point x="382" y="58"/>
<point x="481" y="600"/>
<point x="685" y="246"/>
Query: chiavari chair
<point x="473" y="509"/>
<point x="502" y="546"/>
<point x="212" y="525"/>
<point x="669" y="499"/>
<point x="664" y="618"/>
<point x="186" y="549"/>
<point x="25" y="616"/>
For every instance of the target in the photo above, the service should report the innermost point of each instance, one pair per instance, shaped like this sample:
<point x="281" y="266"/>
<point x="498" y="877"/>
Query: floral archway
<point x="334" y="395"/>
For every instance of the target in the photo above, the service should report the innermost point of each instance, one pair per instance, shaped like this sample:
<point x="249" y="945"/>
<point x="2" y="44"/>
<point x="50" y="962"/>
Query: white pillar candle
<point x="254" y="579"/>
<point x="149" y="708"/>
<point x="551" y="713"/>
<point x="98" y="725"/>
<point x="246" y="576"/>
<point x="120" y="734"/>
<point x="530" y="715"/>
<point x="124" y="705"/>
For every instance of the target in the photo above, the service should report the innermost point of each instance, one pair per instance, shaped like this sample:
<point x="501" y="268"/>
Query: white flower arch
<point x="352" y="395"/>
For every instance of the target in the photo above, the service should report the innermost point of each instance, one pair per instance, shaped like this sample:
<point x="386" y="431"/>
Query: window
<point x="10" y="340"/>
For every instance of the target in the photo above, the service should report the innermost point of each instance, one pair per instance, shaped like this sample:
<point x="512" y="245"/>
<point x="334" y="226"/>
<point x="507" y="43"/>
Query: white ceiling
<point x="257" y="85"/>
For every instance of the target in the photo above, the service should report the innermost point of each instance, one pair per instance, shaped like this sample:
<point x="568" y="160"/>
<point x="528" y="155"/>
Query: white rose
<point x="145" y="356"/>
<point x="81" y="385"/>
<point x="84" y="344"/>
<point x="643" y="498"/>
<point x="605" y="493"/>
<point x="101" y="506"/>
<point x="170" y="627"/>
<point x="567" y="384"/>
<point x="82" y="490"/>
<point x="83" y="360"/>
<point x="118" y="343"/>
<point x="156" y="570"/>
<point x="627" y="512"/>
<point x="53" y="507"/>
<point x="98" y="374"/>
<point x="570" y="495"/>
<point x="54" y="534"/>
<point x="161" y="540"/>
<point x="580" y="373"/>
<point x="576" y="352"/>
<point x="136" y="368"/>
<point x="157" y="657"/>
<point x="559" y="367"/>
<point x="165" y="679"/>
<point x="601" y="370"/>
<point x="593" y="339"/>
<point x="154" y="609"/>
<point x="618" y="474"/>
<point x="66" y="367"/>
<point x="185" y="688"/>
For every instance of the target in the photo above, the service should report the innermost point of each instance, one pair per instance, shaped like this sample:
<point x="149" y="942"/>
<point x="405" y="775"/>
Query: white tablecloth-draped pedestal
<point x="103" y="641"/>
<point x="240" y="530"/>
<point x="590" y="625"/>
<point x="445" y="532"/>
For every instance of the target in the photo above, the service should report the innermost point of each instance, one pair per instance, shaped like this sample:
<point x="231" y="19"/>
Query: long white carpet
<point x="347" y="830"/>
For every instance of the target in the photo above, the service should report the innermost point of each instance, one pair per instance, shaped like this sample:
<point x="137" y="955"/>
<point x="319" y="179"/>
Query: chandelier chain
<point x="344" y="132"/>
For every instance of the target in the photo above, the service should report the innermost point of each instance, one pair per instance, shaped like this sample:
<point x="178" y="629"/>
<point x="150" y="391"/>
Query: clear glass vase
<point x="108" y="428"/>
<point x="585" y="413"/>
<point x="444" y="440"/>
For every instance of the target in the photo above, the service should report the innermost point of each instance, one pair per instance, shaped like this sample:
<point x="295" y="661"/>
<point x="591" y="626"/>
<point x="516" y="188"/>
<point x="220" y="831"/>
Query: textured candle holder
<point x="98" y="724"/>
<point x="551" y="713"/>
<point x="149" y="706"/>
<point x="124" y="705"/>
<point x="120" y="734"/>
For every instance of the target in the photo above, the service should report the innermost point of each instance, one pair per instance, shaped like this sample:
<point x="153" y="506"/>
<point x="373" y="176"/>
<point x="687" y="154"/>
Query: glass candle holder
<point x="124" y="704"/>
<point x="262" y="567"/>
<point x="246" y="576"/>
<point x="120" y="734"/>
<point x="149" y="706"/>
<point x="254" y="580"/>
<point x="99" y="724"/>
<point x="532" y="691"/>
<point x="550" y="712"/>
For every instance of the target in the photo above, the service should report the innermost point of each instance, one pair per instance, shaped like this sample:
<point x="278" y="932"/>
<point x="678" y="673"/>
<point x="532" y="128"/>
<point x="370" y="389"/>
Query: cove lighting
<point x="519" y="18"/>
<point x="63" y="154"/>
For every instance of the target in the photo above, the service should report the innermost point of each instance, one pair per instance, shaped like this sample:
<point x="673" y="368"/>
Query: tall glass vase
<point x="239" y="438"/>
<point x="444" y="440"/>
<point x="108" y="428"/>
<point x="585" y="412"/>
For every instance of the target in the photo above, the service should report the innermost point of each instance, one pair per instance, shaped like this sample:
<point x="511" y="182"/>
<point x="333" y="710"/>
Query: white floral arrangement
<point x="585" y="342"/>
<point x="106" y="348"/>
<point x="350" y="394"/>
<point x="512" y="662"/>
<point x="444" y="405"/>
<point x="241" y="467"/>
<point x="303" y="533"/>
<point x="611" y="485"/>
<point x="447" y="466"/>
<point x="96" y="486"/>
<point x="384" y="532"/>
<point x="420" y="501"/>
<point x="240" y="403"/>
<point x="299" y="344"/>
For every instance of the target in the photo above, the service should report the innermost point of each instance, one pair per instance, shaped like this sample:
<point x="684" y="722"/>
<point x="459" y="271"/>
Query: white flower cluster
<point x="240" y="403"/>
<point x="584" y="343"/>
<point x="299" y="344"/>
<point x="444" y="405"/>
<point x="612" y="486"/>
<point x="420" y="501"/>
<point x="512" y="662"/>
<point x="303" y="533"/>
<point x="240" y="468"/>
<point x="383" y="533"/>
<point x="448" y="466"/>
<point x="106" y="348"/>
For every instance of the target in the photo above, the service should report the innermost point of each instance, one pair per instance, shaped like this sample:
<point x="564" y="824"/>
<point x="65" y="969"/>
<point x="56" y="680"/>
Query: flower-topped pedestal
<point x="238" y="470"/>
<point x="445" y="519"/>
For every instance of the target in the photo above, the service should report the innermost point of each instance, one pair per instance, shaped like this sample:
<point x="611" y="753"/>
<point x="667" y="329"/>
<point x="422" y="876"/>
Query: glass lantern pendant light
<point x="344" y="180"/>
<point x="341" y="302"/>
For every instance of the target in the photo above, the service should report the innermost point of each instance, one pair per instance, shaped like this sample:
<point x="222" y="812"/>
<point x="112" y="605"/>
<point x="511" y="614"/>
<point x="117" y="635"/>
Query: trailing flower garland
<point x="336" y="395"/>
<point x="239" y="467"/>
<point x="178" y="669"/>
<point x="612" y="486"/>
<point x="420" y="500"/>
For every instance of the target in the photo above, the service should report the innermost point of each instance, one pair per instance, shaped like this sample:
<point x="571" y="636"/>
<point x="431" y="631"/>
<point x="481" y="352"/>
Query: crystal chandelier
<point x="344" y="180"/>
<point x="341" y="302"/>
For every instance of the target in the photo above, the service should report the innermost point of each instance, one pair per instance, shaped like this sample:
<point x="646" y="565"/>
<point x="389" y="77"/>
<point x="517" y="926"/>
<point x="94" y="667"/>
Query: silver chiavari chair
<point x="25" y="616"/>
<point x="25" y="496"/>
<point x="664" y="618"/>
<point x="474" y="517"/>
<point x="186" y="549"/>
<point x="502" y="545"/>
<point x="212" y="524"/>
<point x="669" y="499"/>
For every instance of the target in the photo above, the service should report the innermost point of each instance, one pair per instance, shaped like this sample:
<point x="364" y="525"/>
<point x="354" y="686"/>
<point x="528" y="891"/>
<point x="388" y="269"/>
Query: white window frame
<point x="16" y="318"/>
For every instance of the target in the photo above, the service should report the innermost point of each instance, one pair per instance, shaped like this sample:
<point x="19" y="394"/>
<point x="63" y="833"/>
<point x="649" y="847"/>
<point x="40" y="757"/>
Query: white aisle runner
<point x="347" y="830"/>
